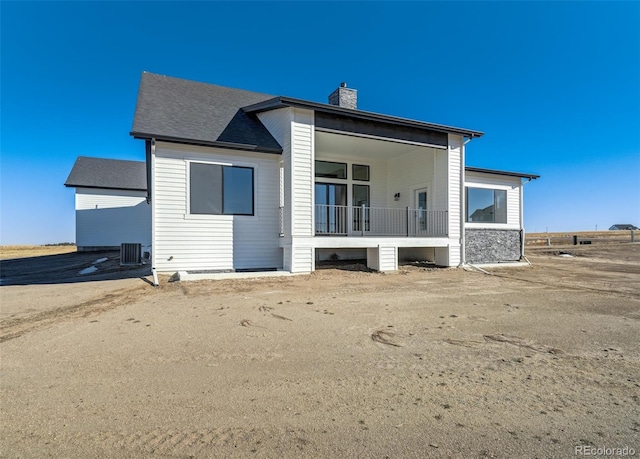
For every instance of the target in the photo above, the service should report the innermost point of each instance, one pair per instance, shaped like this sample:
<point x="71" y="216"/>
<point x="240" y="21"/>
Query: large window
<point x="336" y="213"/>
<point x="486" y="205"/>
<point x="328" y="169"/>
<point x="220" y="190"/>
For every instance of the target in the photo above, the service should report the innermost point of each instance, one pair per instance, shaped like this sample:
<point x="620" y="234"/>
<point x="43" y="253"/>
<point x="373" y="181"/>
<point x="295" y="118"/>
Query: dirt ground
<point x="525" y="362"/>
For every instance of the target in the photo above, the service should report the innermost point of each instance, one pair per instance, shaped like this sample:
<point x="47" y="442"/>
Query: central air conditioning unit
<point x="130" y="254"/>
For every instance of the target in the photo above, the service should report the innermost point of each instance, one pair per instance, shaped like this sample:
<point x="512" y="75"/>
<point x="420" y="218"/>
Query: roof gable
<point x="183" y="110"/>
<point x="108" y="173"/>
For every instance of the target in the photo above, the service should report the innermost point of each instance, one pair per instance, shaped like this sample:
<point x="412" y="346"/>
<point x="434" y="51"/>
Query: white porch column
<point x="294" y="129"/>
<point x="298" y="162"/>
<point x="455" y="172"/>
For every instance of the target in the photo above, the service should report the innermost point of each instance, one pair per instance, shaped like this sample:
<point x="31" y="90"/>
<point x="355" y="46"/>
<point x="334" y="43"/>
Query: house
<point x="111" y="203"/>
<point x="623" y="226"/>
<point x="243" y="181"/>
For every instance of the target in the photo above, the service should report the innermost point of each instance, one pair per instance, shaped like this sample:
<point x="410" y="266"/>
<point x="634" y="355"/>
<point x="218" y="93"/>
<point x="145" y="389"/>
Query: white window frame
<point x="486" y="186"/>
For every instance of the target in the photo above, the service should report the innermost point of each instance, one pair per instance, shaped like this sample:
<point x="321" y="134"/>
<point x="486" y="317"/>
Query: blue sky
<point x="554" y="86"/>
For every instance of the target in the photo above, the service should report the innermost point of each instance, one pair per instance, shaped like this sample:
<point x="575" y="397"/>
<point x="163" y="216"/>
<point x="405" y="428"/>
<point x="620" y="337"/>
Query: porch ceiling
<point x="330" y="144"/>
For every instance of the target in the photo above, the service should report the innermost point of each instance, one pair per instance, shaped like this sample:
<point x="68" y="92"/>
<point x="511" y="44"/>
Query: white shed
<point x="111" y="203"/>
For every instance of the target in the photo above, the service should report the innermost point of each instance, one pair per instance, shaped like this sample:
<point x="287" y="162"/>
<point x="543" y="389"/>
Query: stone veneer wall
<point x="492" y="245"/>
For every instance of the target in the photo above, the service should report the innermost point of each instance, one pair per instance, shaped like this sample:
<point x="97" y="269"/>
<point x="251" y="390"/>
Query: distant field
<point x="567" y="237"/>
<point x="27" y="251"/>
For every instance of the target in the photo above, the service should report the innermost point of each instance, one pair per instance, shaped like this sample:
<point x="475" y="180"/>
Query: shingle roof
<point x="624" y="226"/>
<point x="176" y="109"/>
<point x="108" y="173"/>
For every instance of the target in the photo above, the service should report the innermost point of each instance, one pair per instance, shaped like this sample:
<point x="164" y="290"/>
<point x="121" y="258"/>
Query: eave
<point x="281" y="101"/>
<point x="93" y="187"/>
<point x="497" y="172"/>
<point x="206" y="143"/>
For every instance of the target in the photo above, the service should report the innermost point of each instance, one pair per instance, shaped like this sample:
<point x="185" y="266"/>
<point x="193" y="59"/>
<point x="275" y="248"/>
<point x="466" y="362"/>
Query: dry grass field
<point x="523" y="362"/>
<point x="29" y="251"/>
<point x="566" y="238"/>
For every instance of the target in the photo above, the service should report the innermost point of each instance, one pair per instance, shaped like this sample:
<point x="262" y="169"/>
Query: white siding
<point x="498" y="182"/>
<point x="441" y="188"/>
<point x="408" y="173"/>
<point x="303" y="259"/>
<point x="276" y="122"/>
<point x="454" y="168"/>
<point x="294" y="130"/>
<point x="213" y="242"/>
<point x="302" y="140"/>
<point x="388" y="256"/>
<point x="383" y="258"/>
<point x="107" y="218"/>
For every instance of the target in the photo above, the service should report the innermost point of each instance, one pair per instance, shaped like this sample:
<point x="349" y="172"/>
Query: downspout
<point x="463" y="204"/>
<point x="147" y="151"/>
<point x="150" y="183"/>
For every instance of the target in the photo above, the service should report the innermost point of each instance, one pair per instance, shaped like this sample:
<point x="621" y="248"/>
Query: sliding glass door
<point x="331" y="210"/>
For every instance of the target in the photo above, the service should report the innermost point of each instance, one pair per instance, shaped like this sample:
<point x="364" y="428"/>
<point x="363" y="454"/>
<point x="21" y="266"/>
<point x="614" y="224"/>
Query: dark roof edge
<point x="205" y="143"/>
<point x="281" y="101"/>
<point x="497" y="172"/>
<point x="71" y="185"/>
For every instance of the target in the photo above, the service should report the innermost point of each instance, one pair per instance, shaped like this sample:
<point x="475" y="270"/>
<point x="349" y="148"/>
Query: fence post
<point x="407" y="221"/>
<point x="548" y="242"/>
<point x="633" y="235"/>
<point x="575" y="240"/>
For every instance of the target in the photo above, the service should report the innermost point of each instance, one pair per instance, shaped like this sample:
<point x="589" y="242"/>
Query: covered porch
<point x="380" y="198"/>
<point x="379" y="187"/>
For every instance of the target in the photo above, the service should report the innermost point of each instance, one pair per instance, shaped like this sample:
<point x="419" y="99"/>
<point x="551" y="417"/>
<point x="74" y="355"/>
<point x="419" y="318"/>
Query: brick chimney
<point x="344" y="97"/>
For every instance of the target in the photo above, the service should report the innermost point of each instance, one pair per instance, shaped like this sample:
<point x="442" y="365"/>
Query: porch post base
<point x="382" y="258"/>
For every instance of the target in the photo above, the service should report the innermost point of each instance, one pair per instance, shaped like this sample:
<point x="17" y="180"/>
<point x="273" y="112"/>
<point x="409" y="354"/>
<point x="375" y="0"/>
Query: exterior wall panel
<point x="278" y="123"/>
<point x="214" y="242"/>
<point x="455" y="152"/>
<point x="107" y="218"/>
<point x="441" y="188"/>
<point x="408" y="173"/>
<point x="302" y="199"/>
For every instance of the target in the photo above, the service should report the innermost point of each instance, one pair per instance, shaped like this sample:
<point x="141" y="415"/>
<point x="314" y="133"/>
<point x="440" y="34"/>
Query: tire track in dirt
<point x="15" y="327"/>
<point x="372" y="289"/>
<point x="176" y="442"/>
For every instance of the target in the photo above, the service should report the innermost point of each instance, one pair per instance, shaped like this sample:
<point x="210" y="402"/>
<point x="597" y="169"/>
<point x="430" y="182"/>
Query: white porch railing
<point x="377" y="221"/>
